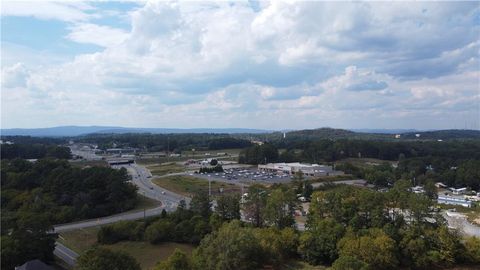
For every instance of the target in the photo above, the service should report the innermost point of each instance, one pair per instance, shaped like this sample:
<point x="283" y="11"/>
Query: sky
<point x="241" y="64"/>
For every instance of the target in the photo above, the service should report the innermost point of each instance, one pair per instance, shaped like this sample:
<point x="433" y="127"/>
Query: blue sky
<point x="272" y="65"/>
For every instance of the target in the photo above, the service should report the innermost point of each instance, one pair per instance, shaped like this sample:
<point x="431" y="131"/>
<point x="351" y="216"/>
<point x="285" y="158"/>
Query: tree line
<point x="347" y="228"/>
<point x="166" y="142"/>
<point x="37" y="195"/>
<point x="34" y="151"/>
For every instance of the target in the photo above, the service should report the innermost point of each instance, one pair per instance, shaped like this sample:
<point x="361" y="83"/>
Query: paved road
<point x="141" y="178"/>
<point x="67" y="255"/>
<point x="109" y="219"/>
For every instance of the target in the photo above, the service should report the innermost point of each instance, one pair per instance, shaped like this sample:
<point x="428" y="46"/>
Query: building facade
<point x="292" y="168"/>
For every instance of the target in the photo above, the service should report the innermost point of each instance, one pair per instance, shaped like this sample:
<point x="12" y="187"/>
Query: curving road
<point x="141" y="178"/>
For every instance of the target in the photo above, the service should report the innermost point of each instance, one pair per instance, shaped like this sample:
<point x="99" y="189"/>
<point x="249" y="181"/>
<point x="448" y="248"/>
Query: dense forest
<point x="166" y="142"/>
<point x="33" y="148"/>
<point x="456" y="163"/>
<point x="34" y="151"/>
<point x="37" y="195"/>
<point x="347" y="228"/>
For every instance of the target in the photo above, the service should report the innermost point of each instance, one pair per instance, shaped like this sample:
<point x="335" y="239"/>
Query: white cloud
<point x="225" y="64"/>
<point x="15" y="76"/>
<point x="104" y="36"/>
<point x="69" y="11"/>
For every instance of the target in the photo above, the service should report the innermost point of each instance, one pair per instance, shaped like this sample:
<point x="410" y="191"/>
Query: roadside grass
<point x="365" y="162"/>
<point x="165" y="168"/>
<point x="149" y="255"/>
<point x="144" y="203"/>
<point x="79" y="240"/>
<point x="88" y="163"/>
<point x="211" y="153"/>
<point x="146" y="254"/>
<point x="187" y="185"/>
<point x="146" y="160"/>
<point x="332" y="178"/>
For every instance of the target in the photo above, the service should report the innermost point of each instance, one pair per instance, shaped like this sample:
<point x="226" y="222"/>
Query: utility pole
<point x="209" y="187"/>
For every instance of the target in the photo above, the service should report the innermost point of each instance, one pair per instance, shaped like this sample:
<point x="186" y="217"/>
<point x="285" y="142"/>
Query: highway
<point x="141" y="178"/>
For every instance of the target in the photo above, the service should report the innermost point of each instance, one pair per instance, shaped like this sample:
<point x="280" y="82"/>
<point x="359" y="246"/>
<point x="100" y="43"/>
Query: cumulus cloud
<point x="69" y="11"/>
<point x="100" y="35"/>
<point x="15" y="76"/>
<point x="312" y="63"/>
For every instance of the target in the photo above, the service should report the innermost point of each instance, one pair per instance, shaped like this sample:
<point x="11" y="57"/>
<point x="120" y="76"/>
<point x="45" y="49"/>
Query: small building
<point x="292" y="168"/>
<point x="440" y="185"/>
<point x="34" y="265"/>
<point x="458" y="191"/>
<point x="120" y="162"/>
<point x="418" y="189"/>
<point x="454" y="201"/>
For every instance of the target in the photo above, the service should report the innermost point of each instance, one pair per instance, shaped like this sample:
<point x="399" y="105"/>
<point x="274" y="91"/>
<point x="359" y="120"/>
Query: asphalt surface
<point x="67" y="255"/>
<point x="141" y="178"/>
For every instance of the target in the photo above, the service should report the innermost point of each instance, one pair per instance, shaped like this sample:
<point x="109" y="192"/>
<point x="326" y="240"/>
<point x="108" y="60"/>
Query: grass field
<point x="164" y="168"/>
<point x="145" y="253"/>
<point x="365" y="162"/>
<point x="187" y="185"/>
<point x="332" y="178"/>
<point x="145" y="203"/>
<point x="149" y="255"/>
<point x="211" y="153"/>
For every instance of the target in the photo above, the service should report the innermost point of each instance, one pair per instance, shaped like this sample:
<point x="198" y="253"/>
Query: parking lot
<point x="249" y="175"/>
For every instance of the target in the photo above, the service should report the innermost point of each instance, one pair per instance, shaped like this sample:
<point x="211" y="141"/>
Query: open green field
<point x="211" y="153"/>
<point x="158" y="169"/>
<point x="332" y="178"/>
<point x="149" y="255"/>
<point x="145" y="253"/>
<point x="145" y="203"/>
<point x="188" y="185"/>
<point x="365" y="162"/>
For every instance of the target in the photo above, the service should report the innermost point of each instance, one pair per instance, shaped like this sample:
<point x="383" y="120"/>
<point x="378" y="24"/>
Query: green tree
<point x="159" y="231"/>
<point x="472" y="250"/>
<point x="228" y="206"/>
<point x="319" y="242"/>
<point x="201" y="204"/>
<point x="280" y="208"/>
<point x="255" y="203"/>
<point x="102" y="258"/>
<point x="375" y="248"/>
<point x="278" y="245"/>
<point x="231" y="247"/>
<point x="27" y="240"/>
<point x="349" y="263"/>
<point x="177" y="261"/>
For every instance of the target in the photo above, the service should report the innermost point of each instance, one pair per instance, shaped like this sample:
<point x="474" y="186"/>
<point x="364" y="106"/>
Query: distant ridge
<point x="384" y="131"/>
<point x="70" y="131"/>
<point x="260" y="134"/>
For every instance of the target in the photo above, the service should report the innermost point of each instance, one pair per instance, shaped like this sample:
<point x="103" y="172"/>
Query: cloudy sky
<point x="272" y="65"/>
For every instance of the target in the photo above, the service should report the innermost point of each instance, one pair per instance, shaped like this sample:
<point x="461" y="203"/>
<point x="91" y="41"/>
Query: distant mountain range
<point x="71" y="131"/>
<point x="319" y="133"/>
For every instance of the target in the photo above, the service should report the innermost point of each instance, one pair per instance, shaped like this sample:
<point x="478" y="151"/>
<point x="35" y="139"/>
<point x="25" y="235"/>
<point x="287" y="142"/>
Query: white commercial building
<point x="292" y="168"/>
